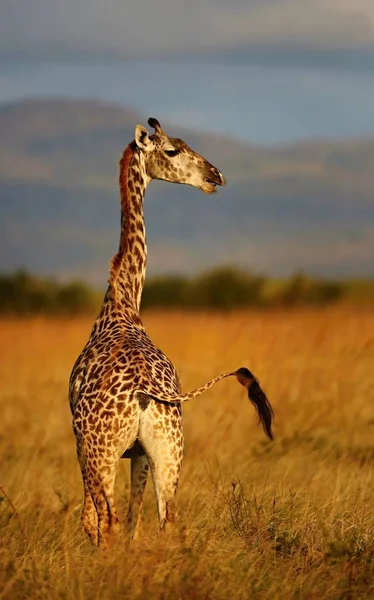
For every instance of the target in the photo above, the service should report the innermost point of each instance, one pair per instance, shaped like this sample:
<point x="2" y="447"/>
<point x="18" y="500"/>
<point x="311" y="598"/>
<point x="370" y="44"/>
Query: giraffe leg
<point x="89" y="516"/>
<point x="98" y="470"/>
<point x="139" y="474"/>
<point x="102" y="489"/>
<point x="165" y="463"/>
<point x="165" y="478"/>
<point x="161" y="436"/>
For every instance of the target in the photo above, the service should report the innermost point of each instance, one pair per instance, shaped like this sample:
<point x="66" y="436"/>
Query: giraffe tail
<point x="255" y="394"/>
<point x="258" y="398"/>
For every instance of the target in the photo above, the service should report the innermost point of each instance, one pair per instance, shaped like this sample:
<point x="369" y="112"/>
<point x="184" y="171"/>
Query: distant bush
<point x="223" y="288"/>
<point x="23" y="294"/>
<point x="166" y="292"/>
<point x="301" y="290"/>
<point x="75" y="297"/>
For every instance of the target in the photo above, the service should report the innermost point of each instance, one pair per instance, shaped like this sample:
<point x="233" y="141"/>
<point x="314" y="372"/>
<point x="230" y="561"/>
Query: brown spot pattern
<point x="124" y="392"/>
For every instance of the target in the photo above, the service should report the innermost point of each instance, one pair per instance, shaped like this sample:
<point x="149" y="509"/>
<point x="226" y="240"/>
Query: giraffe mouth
<point x="214" y="177"/>
<point x="210" y="185"/>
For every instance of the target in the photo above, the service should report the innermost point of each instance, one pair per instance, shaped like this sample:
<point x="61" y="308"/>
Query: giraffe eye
<point x="171" y="152"/>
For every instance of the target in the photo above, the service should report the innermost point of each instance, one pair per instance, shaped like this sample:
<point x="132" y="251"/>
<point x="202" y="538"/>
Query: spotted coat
<point x="125" y="395"/>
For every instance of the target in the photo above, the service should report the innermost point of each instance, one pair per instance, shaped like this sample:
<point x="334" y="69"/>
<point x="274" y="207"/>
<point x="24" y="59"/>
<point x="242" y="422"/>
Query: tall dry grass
<point x="289" y="519"/>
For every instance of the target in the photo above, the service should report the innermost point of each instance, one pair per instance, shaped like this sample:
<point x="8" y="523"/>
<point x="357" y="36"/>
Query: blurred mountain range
<point x="305" y="206"/>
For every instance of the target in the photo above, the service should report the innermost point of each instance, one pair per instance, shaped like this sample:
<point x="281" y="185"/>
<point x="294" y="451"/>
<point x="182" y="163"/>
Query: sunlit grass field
<point x="288" y="519"/>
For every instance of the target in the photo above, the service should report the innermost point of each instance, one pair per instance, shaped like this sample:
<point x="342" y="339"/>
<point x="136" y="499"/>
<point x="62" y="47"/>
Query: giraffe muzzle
<point x="213" y="178"/>
<point x="216" y="177"/>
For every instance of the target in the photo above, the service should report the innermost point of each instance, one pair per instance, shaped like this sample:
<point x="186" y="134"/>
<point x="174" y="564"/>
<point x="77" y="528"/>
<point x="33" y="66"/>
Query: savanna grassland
<point x="288" y="519"/>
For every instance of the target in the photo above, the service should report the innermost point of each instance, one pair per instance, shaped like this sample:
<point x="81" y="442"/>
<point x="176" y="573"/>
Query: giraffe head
<point x="172" y="160"/>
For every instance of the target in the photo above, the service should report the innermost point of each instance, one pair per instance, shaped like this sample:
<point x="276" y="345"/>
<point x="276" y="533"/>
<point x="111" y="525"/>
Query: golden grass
<point x="289" y="519"/>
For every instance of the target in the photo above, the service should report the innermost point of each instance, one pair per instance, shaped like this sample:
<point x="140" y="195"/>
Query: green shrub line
<point x="222" y="288"/>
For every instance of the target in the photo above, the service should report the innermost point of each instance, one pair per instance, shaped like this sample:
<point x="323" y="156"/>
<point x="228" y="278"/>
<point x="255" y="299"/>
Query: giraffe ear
<point x="141" y="137"/>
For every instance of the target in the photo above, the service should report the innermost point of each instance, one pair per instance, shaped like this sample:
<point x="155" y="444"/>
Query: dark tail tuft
<point x="258" y="398"/>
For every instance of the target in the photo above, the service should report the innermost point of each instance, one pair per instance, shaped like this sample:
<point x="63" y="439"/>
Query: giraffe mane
<point x="124" y="164"/>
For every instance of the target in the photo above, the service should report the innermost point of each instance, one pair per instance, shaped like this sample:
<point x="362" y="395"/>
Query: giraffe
<point x="125" y="395"/>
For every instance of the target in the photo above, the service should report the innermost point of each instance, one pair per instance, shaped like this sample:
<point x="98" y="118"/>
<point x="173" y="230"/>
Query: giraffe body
<point x="119" y="419"/>
<point x="125" y="395"/>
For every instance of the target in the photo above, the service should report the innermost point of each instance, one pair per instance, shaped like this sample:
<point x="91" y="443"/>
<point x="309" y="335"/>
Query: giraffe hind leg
<point x="165" y="463"/>
<point x="99" y="475"/>
<point x="139" y="475"/>
<point x="89" y="517"/>
<point x="102" y="496"/>
<point x="166" y="488"/>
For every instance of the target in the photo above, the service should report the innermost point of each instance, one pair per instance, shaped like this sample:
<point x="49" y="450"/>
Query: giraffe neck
<point x="127" y="272"/>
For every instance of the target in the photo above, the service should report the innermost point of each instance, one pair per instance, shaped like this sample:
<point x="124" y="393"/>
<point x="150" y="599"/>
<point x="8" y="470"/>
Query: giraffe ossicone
<point x="125" y="394"/>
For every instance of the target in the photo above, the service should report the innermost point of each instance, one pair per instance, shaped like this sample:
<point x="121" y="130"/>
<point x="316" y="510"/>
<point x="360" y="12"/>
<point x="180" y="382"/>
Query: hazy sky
<point x="263" y="70"/>
<point x="146" y="26"/>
